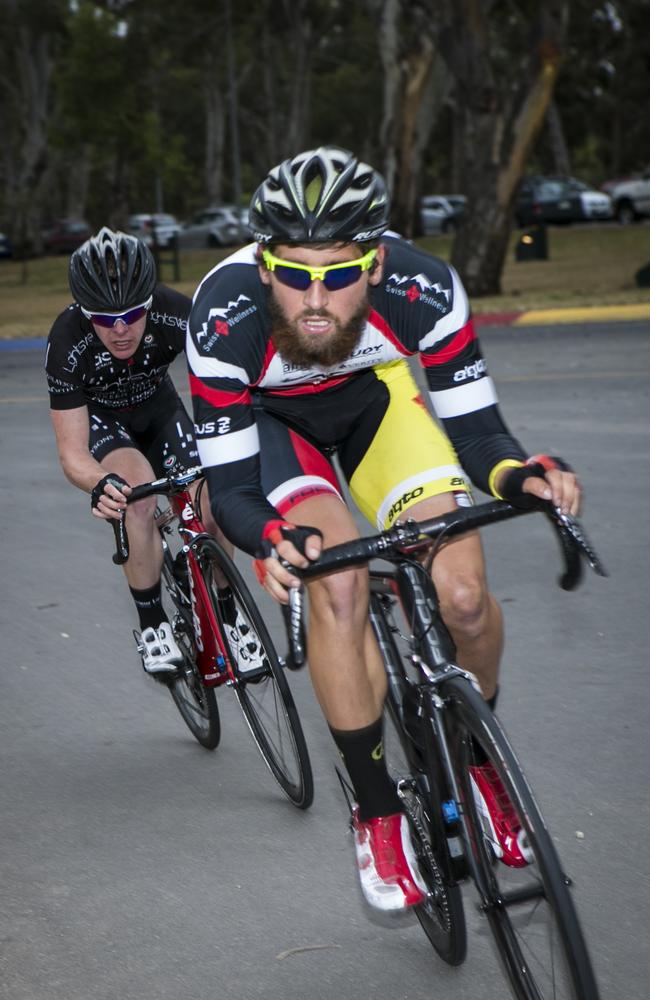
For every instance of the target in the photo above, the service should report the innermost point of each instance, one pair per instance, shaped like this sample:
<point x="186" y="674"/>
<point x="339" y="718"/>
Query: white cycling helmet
<point x="322" y="195"/>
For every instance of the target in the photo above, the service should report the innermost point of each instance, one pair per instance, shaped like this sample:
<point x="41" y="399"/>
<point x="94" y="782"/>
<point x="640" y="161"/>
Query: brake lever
<point x="575" y="544"/>
<point x="293" y="620"/>
<point x="121" y="553"/>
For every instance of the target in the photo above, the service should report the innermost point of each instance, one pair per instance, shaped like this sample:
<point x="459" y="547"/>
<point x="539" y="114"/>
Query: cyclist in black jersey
<point x="117" y="416"/>
<point x="297" y="348"/>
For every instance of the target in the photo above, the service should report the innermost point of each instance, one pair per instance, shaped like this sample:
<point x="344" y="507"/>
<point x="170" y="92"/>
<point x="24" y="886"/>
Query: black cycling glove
<point x="537" y="466"/>
<point x="99" y="488"/>
<point x="274" y="533"/>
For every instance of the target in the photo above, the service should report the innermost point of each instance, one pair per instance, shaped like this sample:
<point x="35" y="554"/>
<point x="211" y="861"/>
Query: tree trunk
<point x="25" y="86"/>
<point x="499" y="122"/>
<point x="302" y="44"/>
<point x="413" y="92"/>
<point x="558" y="143"/>
<point x="214" y="132"/>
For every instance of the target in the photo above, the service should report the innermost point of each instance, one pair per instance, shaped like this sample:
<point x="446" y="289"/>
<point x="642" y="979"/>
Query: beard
<point x="306" y="351"/>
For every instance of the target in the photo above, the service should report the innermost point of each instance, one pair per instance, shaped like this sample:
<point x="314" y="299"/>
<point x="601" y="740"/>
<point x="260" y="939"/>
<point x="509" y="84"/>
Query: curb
<point x="27" y="344"/>
<point x="546" y="317"/>
<point x="524" y="317"/>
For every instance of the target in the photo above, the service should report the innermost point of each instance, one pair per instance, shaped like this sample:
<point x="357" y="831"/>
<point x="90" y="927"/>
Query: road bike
<point x="444" y="729"/>
<point x="223" y="637"/>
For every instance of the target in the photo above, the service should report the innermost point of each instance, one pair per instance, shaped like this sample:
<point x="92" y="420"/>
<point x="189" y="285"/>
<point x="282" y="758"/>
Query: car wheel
<point x="625" y="213"/>
<point x="213" y="241"/>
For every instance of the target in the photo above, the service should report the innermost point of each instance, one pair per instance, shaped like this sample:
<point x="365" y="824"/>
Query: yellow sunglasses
<point x="334" y="276"/>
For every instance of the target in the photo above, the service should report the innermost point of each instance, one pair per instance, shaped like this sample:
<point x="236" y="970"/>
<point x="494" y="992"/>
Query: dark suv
<point x="559" y="200"/>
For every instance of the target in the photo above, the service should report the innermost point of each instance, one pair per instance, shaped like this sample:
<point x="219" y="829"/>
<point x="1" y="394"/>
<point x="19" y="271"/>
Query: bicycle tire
<point x="196" y="703"/>
<point x="530" y="911"/>
<point x="442" y="916"/>
<point x="263" y="694"/>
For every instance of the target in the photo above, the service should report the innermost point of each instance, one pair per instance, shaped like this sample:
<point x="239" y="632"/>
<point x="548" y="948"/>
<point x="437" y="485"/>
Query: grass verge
<point x="587" y="265"/>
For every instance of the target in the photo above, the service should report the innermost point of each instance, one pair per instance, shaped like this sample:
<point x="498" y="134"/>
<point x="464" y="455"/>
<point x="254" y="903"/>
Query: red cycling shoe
<point x="388" y="869"/>
<point x="499" y="820"/>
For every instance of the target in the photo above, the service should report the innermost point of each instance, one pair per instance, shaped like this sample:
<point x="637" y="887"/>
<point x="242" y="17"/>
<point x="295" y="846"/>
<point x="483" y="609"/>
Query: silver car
<point x="217" y="226"/>
<point x="440" y="213"/>
<point x="156" y="227"/>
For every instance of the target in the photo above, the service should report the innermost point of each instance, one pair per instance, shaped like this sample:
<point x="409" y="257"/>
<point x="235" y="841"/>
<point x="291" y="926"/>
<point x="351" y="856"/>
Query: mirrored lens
<point x="293" y="277"/>
<point x="132" y="316"/>
<point x="333" y="280"/>
<point x="341" y="278"/>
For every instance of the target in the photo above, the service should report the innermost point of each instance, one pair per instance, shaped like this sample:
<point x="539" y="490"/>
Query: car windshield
<point x="550" y="190"/>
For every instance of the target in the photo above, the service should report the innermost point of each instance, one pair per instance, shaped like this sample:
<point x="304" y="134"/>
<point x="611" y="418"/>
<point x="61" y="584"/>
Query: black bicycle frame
<point x="414" y="706"/>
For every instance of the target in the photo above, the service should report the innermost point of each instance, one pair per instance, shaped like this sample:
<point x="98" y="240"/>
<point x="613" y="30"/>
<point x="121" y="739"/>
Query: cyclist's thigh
<point x="108" y="432"/>
<point x="112" y="444"/>
<point x="166" y="434"/>
<point x="292" y="468"/>
<point x="407" y="458"/>
<point x="458" y="560"/>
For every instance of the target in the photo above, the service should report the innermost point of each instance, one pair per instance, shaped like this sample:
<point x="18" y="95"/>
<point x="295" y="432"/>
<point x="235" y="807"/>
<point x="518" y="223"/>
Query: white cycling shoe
<point x="246" y="646"/>
<point x="159" y="650"/>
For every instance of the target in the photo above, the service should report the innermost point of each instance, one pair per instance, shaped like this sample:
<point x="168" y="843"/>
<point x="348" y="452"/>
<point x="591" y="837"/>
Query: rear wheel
<point x="261" y="686"/>
<point x="196" y="703"/>
<point x="529" y="909"/>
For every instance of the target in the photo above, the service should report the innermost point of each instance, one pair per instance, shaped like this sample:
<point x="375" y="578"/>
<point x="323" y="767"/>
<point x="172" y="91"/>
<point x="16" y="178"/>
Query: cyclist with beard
<point x="297" y="348"/>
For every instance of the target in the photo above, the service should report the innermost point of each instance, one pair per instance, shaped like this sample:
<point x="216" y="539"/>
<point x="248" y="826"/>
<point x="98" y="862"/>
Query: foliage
<point x="109" y="107"/>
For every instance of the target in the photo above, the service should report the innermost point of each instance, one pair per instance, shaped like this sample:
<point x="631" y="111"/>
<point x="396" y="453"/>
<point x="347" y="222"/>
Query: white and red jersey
<point x="419" y="308"/>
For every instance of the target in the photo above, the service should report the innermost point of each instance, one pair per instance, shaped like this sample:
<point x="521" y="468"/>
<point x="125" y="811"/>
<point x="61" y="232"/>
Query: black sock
<point x="149" y="605"/>
<point x="362" y="751"/>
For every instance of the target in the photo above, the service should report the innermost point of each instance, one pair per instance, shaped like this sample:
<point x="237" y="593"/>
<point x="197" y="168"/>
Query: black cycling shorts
<point x="160" y="428"/>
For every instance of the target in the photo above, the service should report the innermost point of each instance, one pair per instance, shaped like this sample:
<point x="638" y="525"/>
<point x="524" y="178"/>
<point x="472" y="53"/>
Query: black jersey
<point x="419" y="308"/>
<point x="80" y="370"/>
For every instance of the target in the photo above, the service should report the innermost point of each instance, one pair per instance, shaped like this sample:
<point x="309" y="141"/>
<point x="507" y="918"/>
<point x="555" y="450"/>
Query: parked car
<point x="559" y="200"/>
<point x="65" y="235"/>
<point x="440" y="213"/>
<point x="6" y="249"/>
<point x="153" y="228"/>
<point x="217" y="226"/>
<point x="632" y="198"/>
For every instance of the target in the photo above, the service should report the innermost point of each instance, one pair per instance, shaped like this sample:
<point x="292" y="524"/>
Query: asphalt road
<point x="136" y="865"/>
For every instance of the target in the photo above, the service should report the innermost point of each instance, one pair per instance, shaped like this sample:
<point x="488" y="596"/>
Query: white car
<point x="632" y="198"/>
<point x="595" y="204"/>
<point x="217" y="226"/>
<point x="157" y="228"/>
<point x="440" y="213"/>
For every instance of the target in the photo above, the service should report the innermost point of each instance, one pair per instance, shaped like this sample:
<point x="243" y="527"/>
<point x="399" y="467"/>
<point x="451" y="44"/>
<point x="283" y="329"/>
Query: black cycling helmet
<point x="111" y="272"/>
<point x="323" y="195"/>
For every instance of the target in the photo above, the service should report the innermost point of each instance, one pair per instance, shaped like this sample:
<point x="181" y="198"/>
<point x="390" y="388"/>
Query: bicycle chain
<point x="440" y="897"/>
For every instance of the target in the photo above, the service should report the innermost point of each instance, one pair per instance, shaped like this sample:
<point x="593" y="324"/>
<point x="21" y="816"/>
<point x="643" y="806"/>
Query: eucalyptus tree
<point x="31" y="35"/>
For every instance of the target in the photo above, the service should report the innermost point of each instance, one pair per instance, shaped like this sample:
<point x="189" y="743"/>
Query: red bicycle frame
<point x="212" y="656"/>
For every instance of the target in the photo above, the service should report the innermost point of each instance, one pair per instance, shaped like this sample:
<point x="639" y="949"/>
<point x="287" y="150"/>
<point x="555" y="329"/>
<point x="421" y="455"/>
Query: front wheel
<point x="529" y="908"/>
<point x="196" y="703"/>
<point x="260" y="685"/>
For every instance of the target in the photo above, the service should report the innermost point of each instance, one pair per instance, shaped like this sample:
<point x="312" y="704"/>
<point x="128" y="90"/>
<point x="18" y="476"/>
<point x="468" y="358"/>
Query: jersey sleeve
<point x="223" y="358"/>
<point x="63" y="370"/>
<point x="172" y="309"/>
<point x="463" y="394"/>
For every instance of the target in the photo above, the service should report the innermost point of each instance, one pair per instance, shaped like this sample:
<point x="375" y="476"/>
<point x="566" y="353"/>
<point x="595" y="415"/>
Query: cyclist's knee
<point x="141" y="512"/>
<point x="465" y="605"/>
<point x="340" y="599"/>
